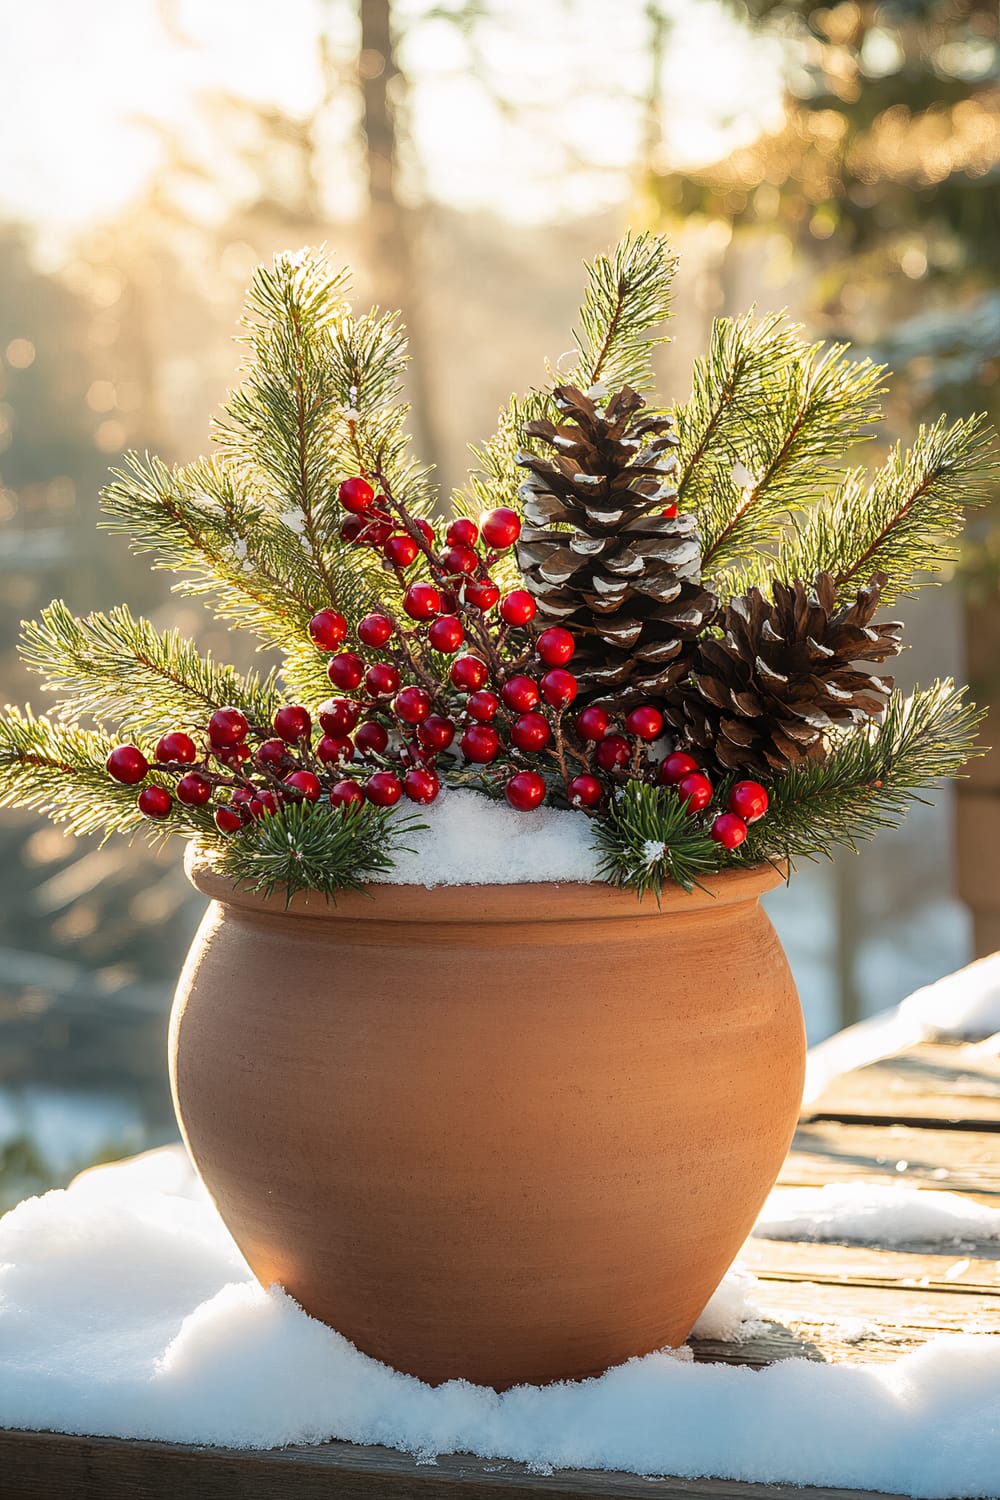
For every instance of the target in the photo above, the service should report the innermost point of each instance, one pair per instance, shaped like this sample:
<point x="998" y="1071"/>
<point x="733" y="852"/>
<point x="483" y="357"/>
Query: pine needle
<point x="649" y="840"/>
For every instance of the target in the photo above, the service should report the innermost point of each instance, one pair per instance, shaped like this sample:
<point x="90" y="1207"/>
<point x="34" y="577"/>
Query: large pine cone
<point x="599" y="555"/>
<point x="765" y="694"/>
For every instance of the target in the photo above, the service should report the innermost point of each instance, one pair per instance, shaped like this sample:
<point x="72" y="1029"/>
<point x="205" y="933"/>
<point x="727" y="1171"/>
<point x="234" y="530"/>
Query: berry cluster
<point x="455" y="678"/>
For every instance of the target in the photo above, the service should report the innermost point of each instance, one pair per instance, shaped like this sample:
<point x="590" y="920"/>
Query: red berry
<point x="559" y="687"/>
<point x="372" y="738"/>
<point x="483" y="705"/>
<point x="383" y="789"/>
<point x="422" y="601"/>
<point x="338" y="717"/>
<point x="412" y="705"/>
<point x="480" y="743"/>
<point x="446" y="633"/>
<point x="327" y="629"/>
<point x="265" y="804"/>
<point x="592" y="723"/>
<point x="127" y="764"/>
<point x="585" y="791"/>
<point x="530" y="732"/>
<point x="645" y="722"/>
<point x="449" y="601"/>
<point x="426" y="531"/>
<point x="525" y="791"/>
<point x="241" y="795"/>
<point x="748" y="800"/>
<point x="468" y="673"/>
<point x="555" y="646"/>
<point x="374" y="630"/>
<point x="376" y="530"/>
<point x="729" y="830"/>
<point x="227" y="726"/>
<point x="462" y="533"/>
<point x="675" y="767"/>
<point x="436" y="733"/>
<point x="356" y="495"/>
<point x="421" y="785"/>
<point x="345" y="794"/>
<point x="345" y="671"/>
<point x="460" y="560"/>
<point x="272" y="753"/>
<point x="400" y="549"/>
<point x="520" y="694"/>
<point x="518" y="607"/>
<point x="612" y="752"/>
<point x="381" y="679"/>
<point x="669" y="511"/>
<point x="227" y="820"/>
<point x="193" y="790"/>
<point x="351" y="531"/>
<point x="332" y="751"/>
<point x="306" y="783"/>
<point x="232" y="755"/>
<point x="482" y="594"/>
<point x="293" y="723"/>
<point x="176" y="749"/>
<point x="500" y="528"/>
<point x="154" y="802"/>
<point x="695" y="791"/>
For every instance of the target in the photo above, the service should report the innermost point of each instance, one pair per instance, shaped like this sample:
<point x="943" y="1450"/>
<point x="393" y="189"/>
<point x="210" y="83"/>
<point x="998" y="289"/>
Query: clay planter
<point x="510" y="1133"/>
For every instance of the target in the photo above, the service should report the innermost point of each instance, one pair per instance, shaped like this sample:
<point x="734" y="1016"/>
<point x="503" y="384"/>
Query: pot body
<point x="511" y="1133"/>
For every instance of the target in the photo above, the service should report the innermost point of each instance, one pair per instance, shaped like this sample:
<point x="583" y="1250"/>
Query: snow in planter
<point x="471" y="840"/>
<point x="126" y="1310"/>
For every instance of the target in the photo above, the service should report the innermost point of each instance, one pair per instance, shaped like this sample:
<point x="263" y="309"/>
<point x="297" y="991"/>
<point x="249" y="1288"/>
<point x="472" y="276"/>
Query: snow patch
<point x="471" y="840"/>
<point x="126" y="1310"/>
<point x="870" y="1213"/>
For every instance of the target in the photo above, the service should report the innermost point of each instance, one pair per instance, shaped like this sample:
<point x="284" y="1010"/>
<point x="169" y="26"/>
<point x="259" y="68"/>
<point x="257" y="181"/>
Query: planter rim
<point x="541" y="901"/>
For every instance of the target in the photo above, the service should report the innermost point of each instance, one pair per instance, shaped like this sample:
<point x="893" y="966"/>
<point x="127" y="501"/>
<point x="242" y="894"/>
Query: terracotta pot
<point x="510" y="1133"/>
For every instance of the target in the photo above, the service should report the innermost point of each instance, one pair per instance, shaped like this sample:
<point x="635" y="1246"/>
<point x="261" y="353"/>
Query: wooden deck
<point x="929" y="1116"/>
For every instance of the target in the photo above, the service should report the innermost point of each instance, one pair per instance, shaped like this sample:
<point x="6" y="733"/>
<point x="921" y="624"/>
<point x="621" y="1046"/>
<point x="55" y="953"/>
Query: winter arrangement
<point x="669" y="620"/>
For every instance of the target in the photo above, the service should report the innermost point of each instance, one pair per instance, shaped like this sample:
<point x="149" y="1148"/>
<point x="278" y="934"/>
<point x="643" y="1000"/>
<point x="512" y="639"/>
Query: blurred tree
<point x="886" y="173"/>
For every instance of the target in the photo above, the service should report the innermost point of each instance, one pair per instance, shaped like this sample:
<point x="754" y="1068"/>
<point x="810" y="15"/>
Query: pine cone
<point x="763" y="696"/>
<point x="624" y="578"/>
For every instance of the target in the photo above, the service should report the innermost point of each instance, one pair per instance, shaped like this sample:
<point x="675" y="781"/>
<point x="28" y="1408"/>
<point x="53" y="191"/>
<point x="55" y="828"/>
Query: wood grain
<point x="930" y="1083"/>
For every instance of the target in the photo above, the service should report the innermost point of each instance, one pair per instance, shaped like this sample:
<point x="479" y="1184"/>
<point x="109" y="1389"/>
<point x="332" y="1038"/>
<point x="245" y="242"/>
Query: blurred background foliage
<point x="841" y="160"/>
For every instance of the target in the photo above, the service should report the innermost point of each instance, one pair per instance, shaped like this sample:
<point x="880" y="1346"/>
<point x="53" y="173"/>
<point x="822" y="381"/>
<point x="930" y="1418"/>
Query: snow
<point x="963" y="1006"/>
<point x="126" y="1310"/>
<point x="472" y="840"/>
<point x="870" y="1213"/>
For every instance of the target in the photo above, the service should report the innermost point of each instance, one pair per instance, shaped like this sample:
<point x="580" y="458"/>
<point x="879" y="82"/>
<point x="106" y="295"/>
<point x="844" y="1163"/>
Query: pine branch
<point x="120" y="669"/>
<point x="316" y="848"/>
<point x="59" y="770"/>
<point x="649" y="839"/>
<point x="628" y="294"/>
<point x="202" y="521"/>
<point x="868" y="778"/>
<point x="280" y="422"/>
<point x="816" y="406"/>
<point x="900" y="523"/>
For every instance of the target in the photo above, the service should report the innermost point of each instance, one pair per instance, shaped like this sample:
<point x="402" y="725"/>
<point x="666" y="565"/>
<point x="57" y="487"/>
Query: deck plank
<point x="950" y="1083"/>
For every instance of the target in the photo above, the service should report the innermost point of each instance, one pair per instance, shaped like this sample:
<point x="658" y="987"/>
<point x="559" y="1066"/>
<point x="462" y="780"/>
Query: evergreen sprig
<point x="279" y="424"/>
<point x="649" y="839"/>
<point x="902" y="521"/>
<point x="869" y="777"/>
<point x="627" y="297"/>
<point x="59" y="770"/>
<point x="314" y="847"/>
<point x="117" y="668"/>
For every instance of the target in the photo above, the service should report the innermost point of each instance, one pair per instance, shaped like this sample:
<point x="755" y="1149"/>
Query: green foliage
<point x="869" y="777"/>
<point x="649" y="839"/>
<point x="902" y="521"/>
<point x="785" y="411"/>
<point x="58" y="769"/>
<point x="628" y="296"/>
<point x="315" y="847"/>
<point x="116" y="668"/>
